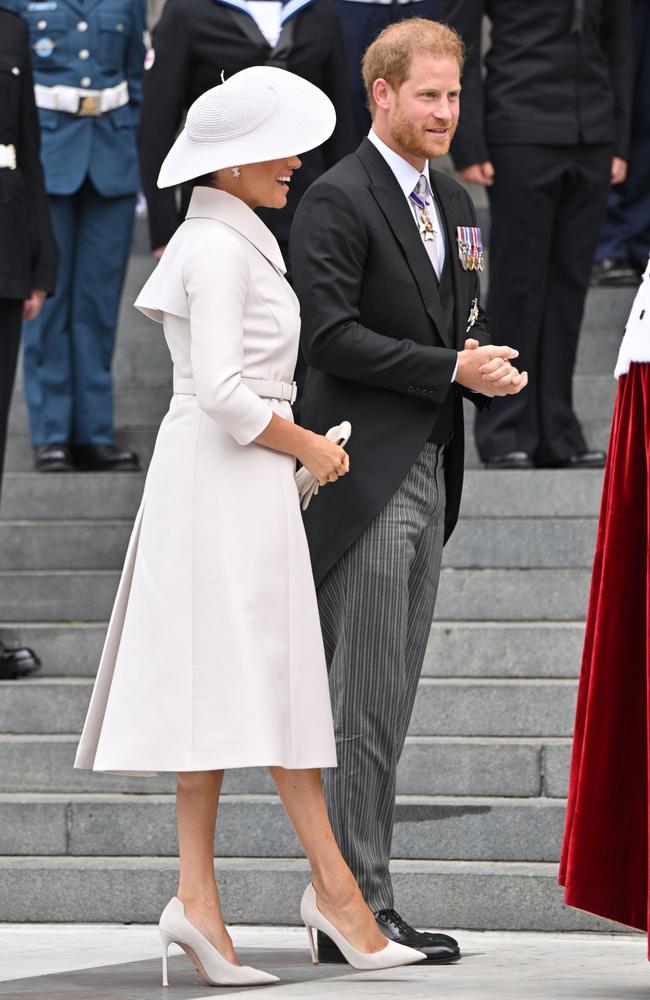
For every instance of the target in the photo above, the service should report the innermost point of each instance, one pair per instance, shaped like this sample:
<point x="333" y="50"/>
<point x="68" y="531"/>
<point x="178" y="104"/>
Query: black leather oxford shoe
<point x="439" y="948"/>
<point x="17" y="663"/>
<point x="615" y="272"/>
<point x="53" y="458"/>
<point x="581" y="460"/>
<point x="104" y="458"/>
<point x="510" y="460"/>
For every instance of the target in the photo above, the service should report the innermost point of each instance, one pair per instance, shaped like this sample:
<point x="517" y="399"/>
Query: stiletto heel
<point x="174" y="927"/>
<point x="312" y="946"/>
<point x="392" y="954"/>
<point x="165" y="941"/>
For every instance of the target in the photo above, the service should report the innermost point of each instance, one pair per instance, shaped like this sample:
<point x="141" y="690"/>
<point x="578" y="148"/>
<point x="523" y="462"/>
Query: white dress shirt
<point x="407" y="177"/>
<point x="268" y="17"/>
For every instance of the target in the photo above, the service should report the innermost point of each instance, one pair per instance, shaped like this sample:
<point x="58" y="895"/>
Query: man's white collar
<point x="405" y="173"/>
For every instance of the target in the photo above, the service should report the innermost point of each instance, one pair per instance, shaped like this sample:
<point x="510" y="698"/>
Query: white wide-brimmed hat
<point x="261" y="113"/>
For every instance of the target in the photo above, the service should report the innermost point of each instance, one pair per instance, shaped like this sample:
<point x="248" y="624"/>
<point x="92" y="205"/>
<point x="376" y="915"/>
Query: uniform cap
<point x="261" y="113"/>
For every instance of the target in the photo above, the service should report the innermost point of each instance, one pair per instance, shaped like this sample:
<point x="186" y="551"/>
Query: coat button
<point x="82" y="26"/>
<point x="84" y="53"/>
<point x="15" y="70"/>
<point x="119" y="26"/>
<point x="41" y="24"/>
<point x="85" y="81"/>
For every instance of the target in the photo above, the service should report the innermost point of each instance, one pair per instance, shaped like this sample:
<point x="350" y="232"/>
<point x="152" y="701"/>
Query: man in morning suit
<point x="28" y="253"/>
<point x="387" y="305"/>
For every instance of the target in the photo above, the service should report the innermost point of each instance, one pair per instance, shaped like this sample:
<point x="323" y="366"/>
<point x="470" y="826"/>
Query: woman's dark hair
<point x="207" y="180"/>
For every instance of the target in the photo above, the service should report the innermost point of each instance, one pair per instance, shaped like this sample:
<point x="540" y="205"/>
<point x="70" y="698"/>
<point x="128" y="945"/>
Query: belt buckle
<point x="89" y="106"/>
<point x="294" y="392"/>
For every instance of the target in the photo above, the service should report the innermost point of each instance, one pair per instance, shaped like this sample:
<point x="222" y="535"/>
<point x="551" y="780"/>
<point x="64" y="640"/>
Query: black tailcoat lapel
<point x="390" y="198"/>
<point x="449" y="204"/>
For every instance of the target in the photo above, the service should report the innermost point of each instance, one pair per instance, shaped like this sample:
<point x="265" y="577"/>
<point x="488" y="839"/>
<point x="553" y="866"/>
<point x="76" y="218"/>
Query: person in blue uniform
<point x="624" y="246"/>
<point x="88" y="61"/>
<point x="362" y="20"/>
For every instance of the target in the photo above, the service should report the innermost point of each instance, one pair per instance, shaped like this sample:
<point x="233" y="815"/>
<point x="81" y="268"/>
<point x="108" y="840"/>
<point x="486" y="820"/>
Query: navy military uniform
<point x="88" y="61"/>
<point x="362" y="21"/>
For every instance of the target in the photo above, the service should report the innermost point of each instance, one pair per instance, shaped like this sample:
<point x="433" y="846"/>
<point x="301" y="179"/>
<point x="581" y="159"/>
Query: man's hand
<point x="159" y="251"/>
<point x="619" y="170"/>
<point x="488" y="370"/>
<point x="33" y="305"/>
<point x="478" y="173"/>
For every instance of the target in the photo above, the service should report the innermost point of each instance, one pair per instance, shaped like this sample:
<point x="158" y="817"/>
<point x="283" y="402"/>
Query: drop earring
<point x="236" y="172"/>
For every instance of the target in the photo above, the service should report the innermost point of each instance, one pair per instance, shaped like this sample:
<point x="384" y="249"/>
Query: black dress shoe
<point x="104" y="458"/>
<point x="510" y="460"/>
<point x="614" y="272"/>
<point x="439" y="948"/>
<point x="581" y="460"/>
<point x="53" y="458"/>
<point x="16" y="663"/>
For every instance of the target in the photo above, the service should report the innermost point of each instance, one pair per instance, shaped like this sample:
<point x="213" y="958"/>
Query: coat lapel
<point x="450" y="209"/>
<point x="393" y="205"/>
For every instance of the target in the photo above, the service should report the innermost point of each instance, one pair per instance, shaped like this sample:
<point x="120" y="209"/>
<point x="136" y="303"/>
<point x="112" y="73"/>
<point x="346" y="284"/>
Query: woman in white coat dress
<point x="213" y="657"/>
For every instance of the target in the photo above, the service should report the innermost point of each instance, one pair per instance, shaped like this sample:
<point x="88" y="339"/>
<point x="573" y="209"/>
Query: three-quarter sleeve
<point x="216" y="279"/>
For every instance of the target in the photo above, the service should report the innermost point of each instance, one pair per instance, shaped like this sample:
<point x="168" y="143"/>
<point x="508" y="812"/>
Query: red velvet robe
<point x="604" y="864"/>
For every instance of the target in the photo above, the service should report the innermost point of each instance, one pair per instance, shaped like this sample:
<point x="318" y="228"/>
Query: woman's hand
<point x="324" y="459"/>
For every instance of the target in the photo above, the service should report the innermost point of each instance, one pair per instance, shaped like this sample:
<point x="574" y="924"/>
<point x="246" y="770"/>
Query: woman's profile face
<point x="264" y="185"/>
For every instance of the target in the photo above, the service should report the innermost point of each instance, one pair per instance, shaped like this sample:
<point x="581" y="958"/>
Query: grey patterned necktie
<point x="427" y="223"/>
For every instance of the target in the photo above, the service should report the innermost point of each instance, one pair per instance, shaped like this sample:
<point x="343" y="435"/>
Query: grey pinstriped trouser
<point x="376" y="606"/>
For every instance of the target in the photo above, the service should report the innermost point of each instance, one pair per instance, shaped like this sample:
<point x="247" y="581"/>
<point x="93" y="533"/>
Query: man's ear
<point x="381" y="91"/>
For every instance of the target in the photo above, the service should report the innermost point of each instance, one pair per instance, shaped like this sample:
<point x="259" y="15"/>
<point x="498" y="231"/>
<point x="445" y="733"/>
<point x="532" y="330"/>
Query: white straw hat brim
<point x="261" y="113"/>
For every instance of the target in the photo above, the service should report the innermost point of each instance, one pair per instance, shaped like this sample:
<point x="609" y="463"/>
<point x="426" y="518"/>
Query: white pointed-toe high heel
<point x="175" y="928"/>
<point x="392" y="955"/>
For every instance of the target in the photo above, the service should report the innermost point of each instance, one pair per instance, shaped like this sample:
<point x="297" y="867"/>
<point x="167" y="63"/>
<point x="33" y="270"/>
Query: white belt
<point x="8" y="157"/>
<point x="85" y="103"/>
<point x="262" y="387"/>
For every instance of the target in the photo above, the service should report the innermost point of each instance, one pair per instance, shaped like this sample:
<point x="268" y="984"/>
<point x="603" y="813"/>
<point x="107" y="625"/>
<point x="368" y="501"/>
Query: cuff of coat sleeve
<point x="255" y="423"/>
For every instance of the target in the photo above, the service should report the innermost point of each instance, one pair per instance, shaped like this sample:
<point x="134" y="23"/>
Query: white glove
<point x="307" y="483"/>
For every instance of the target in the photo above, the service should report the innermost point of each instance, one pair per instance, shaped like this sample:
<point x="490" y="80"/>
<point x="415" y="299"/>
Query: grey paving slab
<point x="495" y="966"/>
<point x="504" y="649"/>
<point x="33" y="827"/>
<point x="43" y="706"/>
<point x="475" y="895"/>
<point x="446" y="707"/>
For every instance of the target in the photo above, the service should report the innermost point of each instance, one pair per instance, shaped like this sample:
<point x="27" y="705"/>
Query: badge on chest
<point x="470" y="248"/>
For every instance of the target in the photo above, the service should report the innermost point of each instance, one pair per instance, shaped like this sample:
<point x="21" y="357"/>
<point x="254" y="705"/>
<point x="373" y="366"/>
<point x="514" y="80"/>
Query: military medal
<point x="470" y="248"/>
<point x="473" y="315"/>
<point x="425" y="225"/>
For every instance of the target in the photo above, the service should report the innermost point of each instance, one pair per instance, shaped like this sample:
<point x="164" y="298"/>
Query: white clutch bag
<point x="307" y="484"/>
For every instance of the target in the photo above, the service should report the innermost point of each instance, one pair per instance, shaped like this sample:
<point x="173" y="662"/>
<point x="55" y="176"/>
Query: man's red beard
<point x="414" y="140"/>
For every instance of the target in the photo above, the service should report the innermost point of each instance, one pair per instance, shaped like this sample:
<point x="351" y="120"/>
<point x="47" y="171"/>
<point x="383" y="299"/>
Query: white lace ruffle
<point x="635" y="345"/>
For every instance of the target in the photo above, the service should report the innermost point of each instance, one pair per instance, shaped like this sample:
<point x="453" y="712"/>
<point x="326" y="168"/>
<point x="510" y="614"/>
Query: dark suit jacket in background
<point x="373" y="334"/>
<point x="559" y="72"/>
<point x="28" y="252"/>
<point x="194" y="41"/>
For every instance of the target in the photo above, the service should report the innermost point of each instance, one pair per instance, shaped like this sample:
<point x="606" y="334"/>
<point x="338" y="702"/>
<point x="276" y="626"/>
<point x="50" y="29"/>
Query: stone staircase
<point x="482" y="780"/>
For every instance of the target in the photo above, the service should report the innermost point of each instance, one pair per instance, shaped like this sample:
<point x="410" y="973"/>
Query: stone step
<point x="596" y="435"/>
<point x="443" y="894"/>
<point x="443" y="707"/>
<point x="480" y="595"/>
<point x="455" y="649"/>
<point x="256" y="826"/>
<point x="19" y="455"/>
<point x="480" y="542"/>
<point x="467" y="766"/>
<point x="486" y="493"/>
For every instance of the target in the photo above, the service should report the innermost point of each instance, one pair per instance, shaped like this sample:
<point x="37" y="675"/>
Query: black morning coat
<point x="194" y="42"/>
<point x="559" y="72"/>
<point x="28" y="252"/>
<point x="375" y="338"/>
